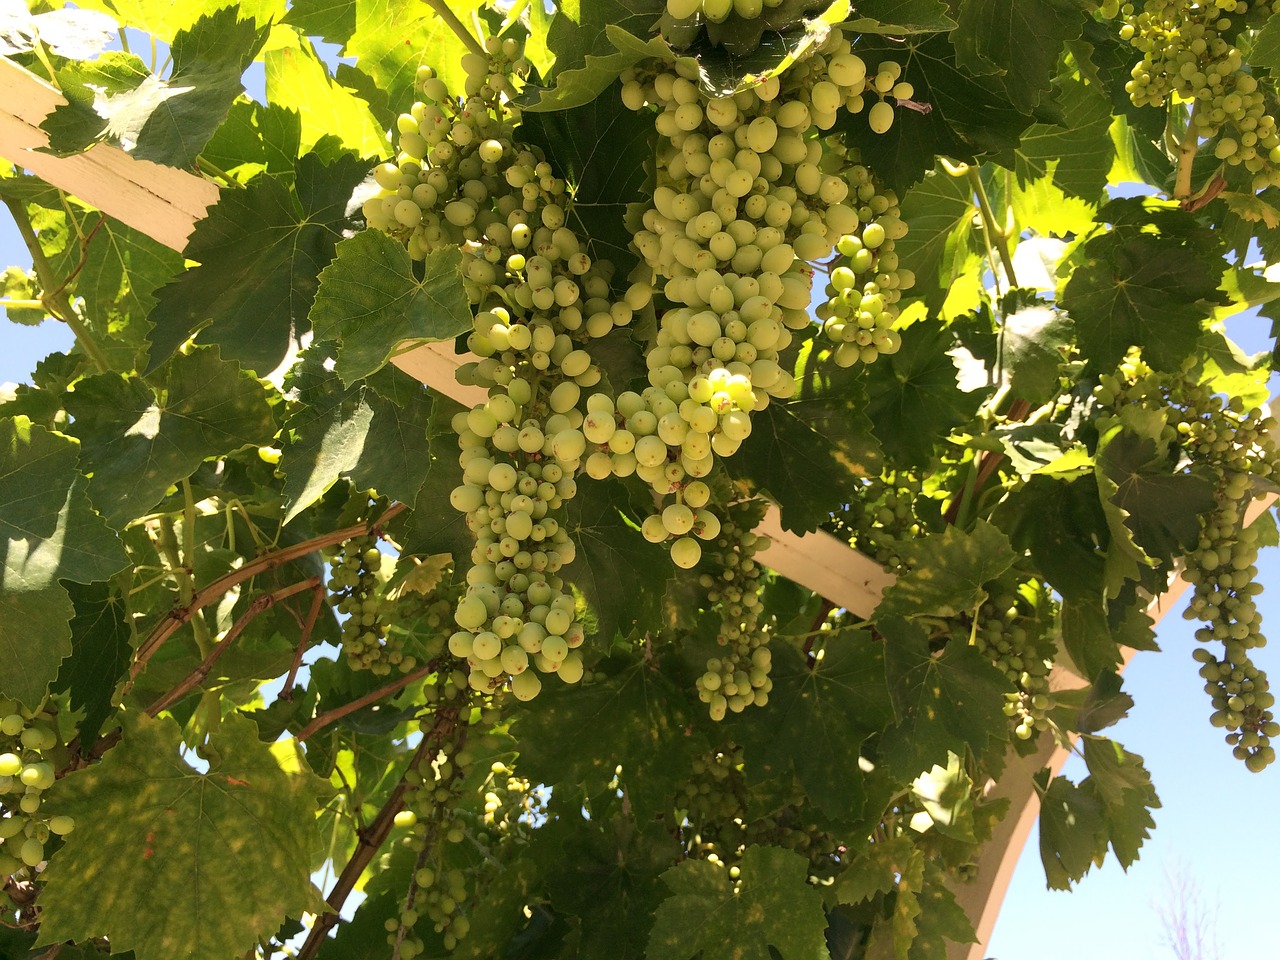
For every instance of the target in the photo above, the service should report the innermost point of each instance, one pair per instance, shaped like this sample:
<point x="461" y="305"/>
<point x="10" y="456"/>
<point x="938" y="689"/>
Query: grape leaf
<point x="102" y="634"/>
<point x="1020" y="40"/>
<point x="797" y="466"/>
<point x="230" y="848"/>
<point x="939" y="245"/>
<point x="1142" y="500"/>
<point x="1033" y="343"/>
<point x="946" y="795"/>
<point x="333" y="21"/>
<point x="913" y="397"/>
<point x="601" y="149"/>
<point x="370" y="302"/>
<point x="830" y="707"/>
<point x="947" y="703"/>
<point x="947" y="572"/>
<point x="1146" y="283"/>
<point x="1092" y="635"/>
<point x="74" y="125"/>
<point x="1072" y="831"/>
<point x="434" y="526"/>
<point x="587" y="60"/>
<point x="1059" y="520"/>
<point x="1076" y="154"/>
<point x="256" y="138"/>
<point x="967" y="117"/>
<point x="900" y="17"/>
<point x="75" y="34"/>
<point x="34" y="635"/>
<point x="579" y="734"/>
<point x="138" y="438"/>
<point x="611" y="552"/>
<point x="378" y="441"/>
<point x="1123" y="786"/>
<point x="1266" y="46"/>
<point x="942" y="921"/>
<point x="169" y="121"/>
<point x="260" y="251"/>
<point x="298" y="80"/>
<point x="771" y="908"/>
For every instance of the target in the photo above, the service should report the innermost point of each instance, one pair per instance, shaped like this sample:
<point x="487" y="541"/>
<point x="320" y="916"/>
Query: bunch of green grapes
<point x="717" y="11"/>
<point x="883" y="515"/>
<point x="1008" y="631"/>
<point x="26" y="772"/>
<point x="739" y="677"/>
<point x="355" y="584"/>
<point x="1187" y="56"/>
<point x="1234" y="445"/>
<point x="744" y="202"/>
<point x="866" y="282"/>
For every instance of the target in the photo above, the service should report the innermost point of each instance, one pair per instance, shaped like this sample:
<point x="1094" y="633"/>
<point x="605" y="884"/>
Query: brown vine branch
<point x="371" y="838"/>
<point x="177" y="617"/>
<point x="304" y="641"/>
<point x="337" y="713"/>
<point x="199" y="674"/>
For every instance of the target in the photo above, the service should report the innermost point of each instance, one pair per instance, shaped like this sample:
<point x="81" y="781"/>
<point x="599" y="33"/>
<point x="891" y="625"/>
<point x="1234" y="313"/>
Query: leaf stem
<point x="55" y="301"/>
<point x="999" y="237"/>
<point x="198" y="675"/>
<point x="441" y="7"/>
<point x="1187" y="148"/>
<point x="167" y="545"/>
<point x="268" y="561"/>
<point x="337" y="713"/>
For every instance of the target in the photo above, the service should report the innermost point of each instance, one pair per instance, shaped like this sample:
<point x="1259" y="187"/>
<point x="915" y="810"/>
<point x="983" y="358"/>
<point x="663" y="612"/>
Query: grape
<point x="685" y="552"/>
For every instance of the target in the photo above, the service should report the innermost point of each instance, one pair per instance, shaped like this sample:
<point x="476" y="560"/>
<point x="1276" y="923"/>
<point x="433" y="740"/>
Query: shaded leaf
<point x="772" y="906"/>
<point x="947" y="572"/>
<point x="231" y="847"/>
<point x="370" y="302"/>
<point x="260" y="251"/>
<point x="102" y="635"/>
<point x="1020" y="40"/>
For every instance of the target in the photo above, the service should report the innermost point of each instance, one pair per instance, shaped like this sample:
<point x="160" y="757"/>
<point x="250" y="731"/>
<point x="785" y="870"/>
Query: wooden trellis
<point x="165" y="204"/>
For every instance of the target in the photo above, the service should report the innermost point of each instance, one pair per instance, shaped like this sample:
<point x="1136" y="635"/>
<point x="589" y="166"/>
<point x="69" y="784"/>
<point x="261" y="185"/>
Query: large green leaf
<point x="940" y="243"/>
<point x="949" y="703"/>
<point x="260" y="252"/>
<point x="137" y="438"/>
<point x="371" y="303"/>
<point x="256" y="138"/>
<point x="1076" y="154"/>
<point x="818" y="716"/>
<point x="298" y="80"/>
<point x="1059" y="520"/>
<point x="1123" y="785"/>
<point x="913" y="397"/>
<point x="577" y="735"/>
<point x="1149" y="282"/>
<point x="948" y="572"/>
<point x="230" y="848"/>
<point x="170" y="120"/>
<point x="602" y="150"/>
<point x="772" y="908"/>
<point x="612" y="551"/>
<point x="967" y="116"/>
<point x="1020" y="40"/>
<point x="380" y="442"/>
<point x="899" y="17"/>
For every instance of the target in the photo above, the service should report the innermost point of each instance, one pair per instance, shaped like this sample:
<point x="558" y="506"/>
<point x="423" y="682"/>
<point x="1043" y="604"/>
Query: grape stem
<point x="1186" y="156"/>
<point x="337" y="713"/>
<point x="997" y="235"/>
<point x="268" y="561"/>
<point x="451" y="20"/>
<point x="259" y="604"/>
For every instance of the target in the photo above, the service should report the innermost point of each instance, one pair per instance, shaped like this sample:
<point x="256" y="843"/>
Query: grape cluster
<point x="744" y="200"/>
<point x="1233" y="445"/>
<point x="354" y="583"/>
<point x="1186" y="56"/>
<point x="739" y="677"/>
<point x="1016" y="642"/>
<point x="26" y="741"/>
<point x="866" y="282"/>
<point x="881" y="516"/>
<point x="717" y="11"/>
